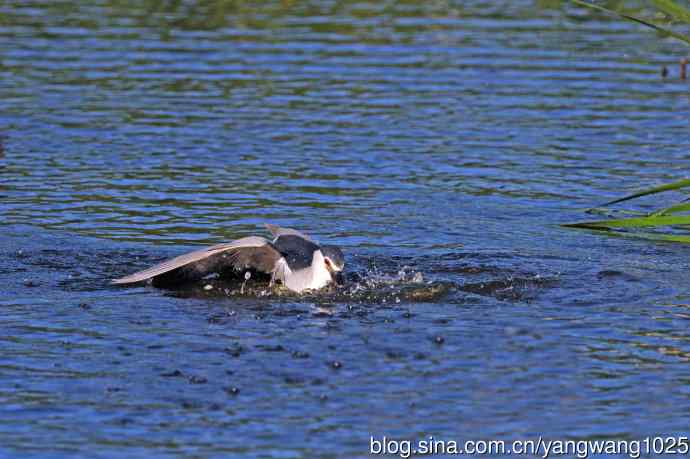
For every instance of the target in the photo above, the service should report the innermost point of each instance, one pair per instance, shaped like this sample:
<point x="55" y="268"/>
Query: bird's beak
<point x="336" y="275"/>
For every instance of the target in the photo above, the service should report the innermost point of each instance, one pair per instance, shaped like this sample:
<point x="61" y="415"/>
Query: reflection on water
<point x="440" y="143"/>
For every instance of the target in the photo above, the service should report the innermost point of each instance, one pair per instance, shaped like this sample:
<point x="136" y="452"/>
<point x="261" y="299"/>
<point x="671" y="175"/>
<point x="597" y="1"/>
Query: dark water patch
<point x="615" y="275"/>
<point x="173" y="374"/>
<point x="511" y="288"/>
<point x="72" y="270"/>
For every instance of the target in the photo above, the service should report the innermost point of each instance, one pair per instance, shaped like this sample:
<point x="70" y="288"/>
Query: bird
<point x="291" y="257"/>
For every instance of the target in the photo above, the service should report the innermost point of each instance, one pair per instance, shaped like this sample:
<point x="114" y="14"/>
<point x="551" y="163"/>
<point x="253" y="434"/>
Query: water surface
<point x="446" y="139"/>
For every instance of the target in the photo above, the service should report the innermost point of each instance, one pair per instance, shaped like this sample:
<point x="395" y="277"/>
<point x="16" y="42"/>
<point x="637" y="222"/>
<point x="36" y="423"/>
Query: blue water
<point x="433" y="139"/>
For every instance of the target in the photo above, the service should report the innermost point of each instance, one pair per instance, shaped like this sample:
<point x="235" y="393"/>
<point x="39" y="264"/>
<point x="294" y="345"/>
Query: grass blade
<point x="606" y="212"/>
<point x="655" y="237"/>
<point x="661" y="237"/>
<point x="634" y="222"/>
<point x="682" y="207"/>
<point x="657" y="189"/>
<point x="673" y="9"/>
<point x="656" y="27"/>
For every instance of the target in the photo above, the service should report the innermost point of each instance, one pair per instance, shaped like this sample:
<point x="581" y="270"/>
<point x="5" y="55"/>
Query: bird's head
<point x="334" y="259"/>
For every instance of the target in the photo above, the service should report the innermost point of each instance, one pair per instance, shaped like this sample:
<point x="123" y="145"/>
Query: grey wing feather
<point x="278" y="231"/>
<point x="252" y="251"/>
<point x="262" y="258"/>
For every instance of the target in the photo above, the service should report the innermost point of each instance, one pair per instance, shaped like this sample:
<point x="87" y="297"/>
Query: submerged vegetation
<point x="670" y="223"/>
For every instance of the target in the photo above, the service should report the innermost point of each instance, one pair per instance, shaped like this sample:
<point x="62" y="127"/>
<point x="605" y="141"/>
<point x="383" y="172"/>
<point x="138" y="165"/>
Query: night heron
<point x="291" y="257"/>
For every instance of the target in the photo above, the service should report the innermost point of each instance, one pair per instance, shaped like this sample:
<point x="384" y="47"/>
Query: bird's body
<point x="290" y="257"/>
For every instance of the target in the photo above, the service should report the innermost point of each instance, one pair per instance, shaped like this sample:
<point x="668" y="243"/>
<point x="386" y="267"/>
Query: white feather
<point x="315" y="277"/>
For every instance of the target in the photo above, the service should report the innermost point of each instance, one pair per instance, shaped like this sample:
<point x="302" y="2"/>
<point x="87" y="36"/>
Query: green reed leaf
<point x="682" y="207"/>
<point x="634" y="222"/>
<point x="657" y="189"/>
<point x="673" y="9"/>
<point x="658" y="28"/>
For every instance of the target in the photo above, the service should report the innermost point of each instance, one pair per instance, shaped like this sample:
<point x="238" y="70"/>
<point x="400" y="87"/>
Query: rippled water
<point x="445" y="139"/>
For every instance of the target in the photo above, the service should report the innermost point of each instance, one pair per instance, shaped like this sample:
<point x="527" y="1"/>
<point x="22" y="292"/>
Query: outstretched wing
<point x="278" y="231"/>
<point x="250" y="252"/>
